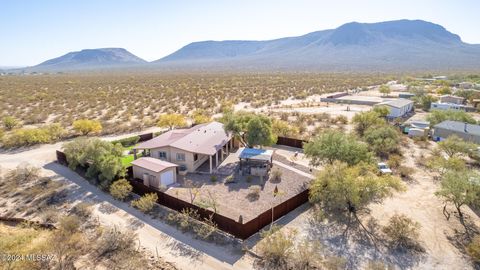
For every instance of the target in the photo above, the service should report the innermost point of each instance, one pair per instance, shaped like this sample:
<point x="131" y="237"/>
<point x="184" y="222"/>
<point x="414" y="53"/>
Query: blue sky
<point x="32" y="31"/>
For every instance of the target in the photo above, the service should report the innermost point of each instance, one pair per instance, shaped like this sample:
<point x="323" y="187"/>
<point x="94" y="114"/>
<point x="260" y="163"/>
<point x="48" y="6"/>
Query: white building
<point x="398" y="107"/>
<point x="447" y="106"/>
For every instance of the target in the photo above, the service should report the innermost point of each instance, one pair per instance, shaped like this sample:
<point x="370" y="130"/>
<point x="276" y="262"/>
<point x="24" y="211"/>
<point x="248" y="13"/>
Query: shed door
<point x="167" y="178"/>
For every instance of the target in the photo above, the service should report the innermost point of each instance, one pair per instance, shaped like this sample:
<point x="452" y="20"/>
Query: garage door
<point x="167" y="178"/>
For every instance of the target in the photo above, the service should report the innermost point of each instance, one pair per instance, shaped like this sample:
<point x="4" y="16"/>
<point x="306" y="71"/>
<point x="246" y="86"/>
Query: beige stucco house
<point x="154" y="172"/>
<point x="192" y="147"/>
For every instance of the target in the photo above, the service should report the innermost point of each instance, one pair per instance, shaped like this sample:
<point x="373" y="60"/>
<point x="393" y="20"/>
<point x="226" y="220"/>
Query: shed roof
<point x="204" y="139"/>
<point x="256" y="154"/>
<point x="153" y="164"/>
<point x="460" y="127"/>
<point x="397" y="103"/>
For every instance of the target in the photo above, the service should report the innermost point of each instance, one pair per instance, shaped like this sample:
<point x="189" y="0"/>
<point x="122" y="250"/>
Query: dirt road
<point x="172" y="245"/>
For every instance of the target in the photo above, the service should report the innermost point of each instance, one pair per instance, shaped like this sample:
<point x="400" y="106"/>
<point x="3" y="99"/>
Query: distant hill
<point x="90" y="59"/>
<point x="392" y="45"/>
<point x="403" y="45"/>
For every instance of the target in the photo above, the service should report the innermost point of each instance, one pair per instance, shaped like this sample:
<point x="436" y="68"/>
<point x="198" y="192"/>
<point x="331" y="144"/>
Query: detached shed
<point x="155" y="172"/>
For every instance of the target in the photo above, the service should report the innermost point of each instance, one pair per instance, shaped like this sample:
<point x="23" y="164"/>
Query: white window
<point x="180" y="157"/>
<point x="162" y="155"/>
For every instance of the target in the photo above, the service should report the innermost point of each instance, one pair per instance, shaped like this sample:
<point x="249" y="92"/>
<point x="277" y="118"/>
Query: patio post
<point x="216" y="159"/>
<point x="210" y="164"/>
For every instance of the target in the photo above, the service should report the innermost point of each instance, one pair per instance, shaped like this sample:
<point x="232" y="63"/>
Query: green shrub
<point x="276" y="176"/>
<point x="213" y="178"/>
<point x="401" y="231"/>
<point x="9" y="122"/>
<point x="31" y="136"/>
<point x="85" y="126"/>
<point x="146" y="202"/>
<point x="473" y="249"/>
<point x="120" y="189"/>
<point x="127" y="141"/>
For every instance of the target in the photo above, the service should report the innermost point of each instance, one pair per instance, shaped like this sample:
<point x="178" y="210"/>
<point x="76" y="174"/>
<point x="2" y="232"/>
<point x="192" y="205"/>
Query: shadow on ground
<point x="184" y="245"/>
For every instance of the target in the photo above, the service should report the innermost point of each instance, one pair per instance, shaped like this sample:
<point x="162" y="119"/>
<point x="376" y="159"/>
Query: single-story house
<point x="468" y="132"/>
<point x="398" y="107"/>
<point x="190" y="148"/>
<point x="451" y="99"/>
<point x="154" y="172"/>
<point x="451" y="106"/>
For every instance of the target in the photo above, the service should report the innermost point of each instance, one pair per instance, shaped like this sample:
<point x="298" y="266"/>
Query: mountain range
<point x="385" y="46"/>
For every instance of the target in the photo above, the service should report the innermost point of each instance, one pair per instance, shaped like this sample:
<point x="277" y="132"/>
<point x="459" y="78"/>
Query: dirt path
<point x="172" y="245"/>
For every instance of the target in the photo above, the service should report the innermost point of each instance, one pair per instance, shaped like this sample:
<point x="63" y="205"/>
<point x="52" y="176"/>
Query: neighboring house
<point x="398" y="107"/>
<point x="192" y="147"/>
<point x="406" y="95"/>
<point x="451" y="106"/>
<point x="451" y="99"/>
<point x="155" y="172"/>
<point x="468" y="132"/>
<point x="466" y="85"/>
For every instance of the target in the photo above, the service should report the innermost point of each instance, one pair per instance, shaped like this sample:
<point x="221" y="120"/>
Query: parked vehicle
<point x="383" y="168"/>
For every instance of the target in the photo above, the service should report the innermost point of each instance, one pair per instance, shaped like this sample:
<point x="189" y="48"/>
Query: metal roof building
<point x="468" y="132"/>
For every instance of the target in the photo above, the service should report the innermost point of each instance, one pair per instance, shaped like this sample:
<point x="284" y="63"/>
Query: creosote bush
<point x="120" y="189"/>
<point x="146" y="202"/>
<point x="402" y="232"/>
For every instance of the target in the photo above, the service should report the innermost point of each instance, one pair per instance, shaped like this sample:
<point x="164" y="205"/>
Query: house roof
<point x="256" y="154"/>
<point x="451" y="96"/>
<point x="397" y="103"/>
<point x="459" y="127"/>
<point x="204" y="139"/>
<point x="153" y="164"/>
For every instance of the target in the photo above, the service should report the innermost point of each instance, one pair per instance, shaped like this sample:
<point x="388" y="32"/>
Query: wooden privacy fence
<point x="235" y="228"/>
<point x="291" y="142"/>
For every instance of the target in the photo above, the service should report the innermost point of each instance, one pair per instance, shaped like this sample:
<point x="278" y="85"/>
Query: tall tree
<point x="340" y="189"/>
<point x="333" y="145"/>
<point x="385" y="89"/>
<point x="459" y="188"/>
<point x="362" y="121"/>
<point x="171" y="121"/>
<point x="438" y="116"/>
<point x="383" y="139"/>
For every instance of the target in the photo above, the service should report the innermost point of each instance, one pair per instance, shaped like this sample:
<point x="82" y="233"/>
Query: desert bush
<point x="276" y="176"/>
<point x="9" y="122"/>
<point x="127" y="141"/>
<point x="146" y="202"/>
<point x="229" y="179"/>
<point x="113" y="240"/>
<point x="401" y="231"/>
<point x="473" y="249"/>
<point x="23" y="173"/>
<point x="120" y="189"/>
<point x="171" y="121"/>
<point x="254" y="193"/>
<point x="394" y="161"/>
<point x="276" y="247"/>
<point x="342" y="119"/>
<point x="86" y="126"/>
<point x="32" y="136"/>
<point x="213" y="178"/>
<point x="405" y="172"/>
<point x="206" y="228"/>
<point x="82" y="210"/>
